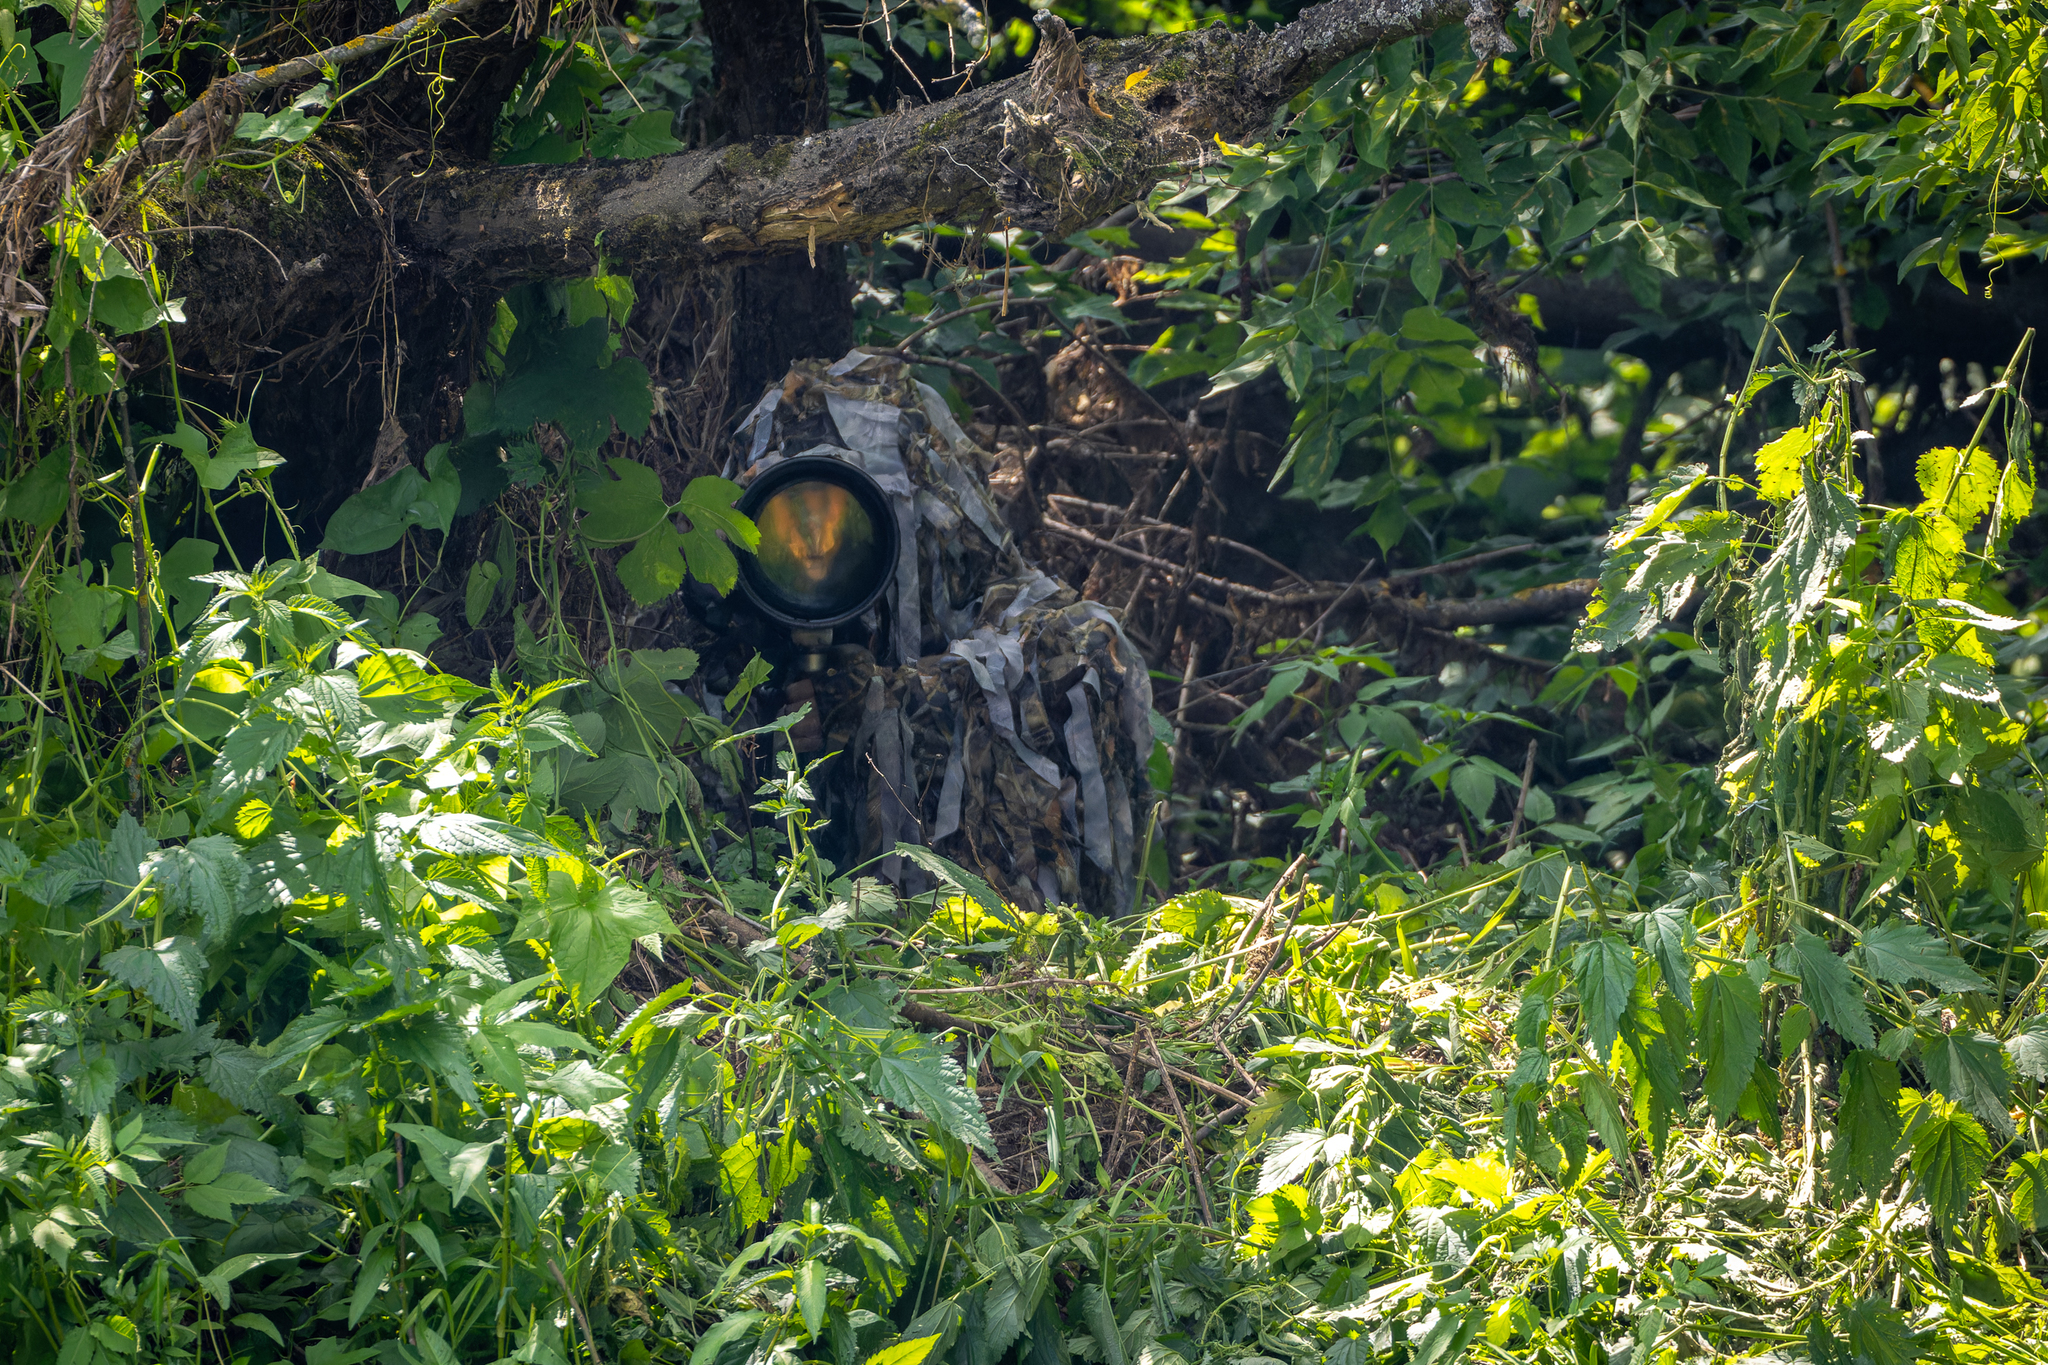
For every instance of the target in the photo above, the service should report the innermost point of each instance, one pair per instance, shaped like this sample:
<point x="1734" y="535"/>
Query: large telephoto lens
<point x="828" y="541"/>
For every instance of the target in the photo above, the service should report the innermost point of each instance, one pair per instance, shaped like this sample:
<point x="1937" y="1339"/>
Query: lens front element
<point x="818" y="548"/>
<point x="828" y="541"/>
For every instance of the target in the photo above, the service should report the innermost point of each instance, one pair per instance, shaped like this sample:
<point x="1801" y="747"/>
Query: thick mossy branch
<point x="998" y="154"/>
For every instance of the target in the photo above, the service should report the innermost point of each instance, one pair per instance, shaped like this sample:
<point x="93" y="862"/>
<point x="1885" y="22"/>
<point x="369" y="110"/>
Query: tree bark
<point x="769" y="65"/>
<point x="1006" y="153"/>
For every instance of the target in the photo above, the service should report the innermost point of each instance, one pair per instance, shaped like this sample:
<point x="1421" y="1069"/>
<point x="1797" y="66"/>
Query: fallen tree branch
<point x="201" y="128"/>
<point x="997" y="153"/>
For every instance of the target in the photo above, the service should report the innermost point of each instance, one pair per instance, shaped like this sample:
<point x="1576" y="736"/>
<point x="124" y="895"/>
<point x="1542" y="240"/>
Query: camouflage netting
<point x="1008" y="722"/>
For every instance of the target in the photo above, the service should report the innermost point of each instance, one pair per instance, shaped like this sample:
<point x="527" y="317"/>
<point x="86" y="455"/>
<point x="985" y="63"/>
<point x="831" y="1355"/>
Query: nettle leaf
<point x="171" y="973"/>
<point x="464" y="835"/>
<point x="1925" y="550"/>
<point x="2028" y="1049"/>
<point x="912" y="1074"/>
<point x="1644" y="580"/>
<point x="1877" y="1334"/>
<point x="204" y="877"/>
<point x="1781" y="464"/>
<point x="1729" y="1026"/>
<point x="1827" y="984"/>
<point x="1290" y="1157"/>
<point x="1013" y="1294"/>
<point x="2029" y="1190"/>
<point x="1605" y="972"/>
<point x="1950" y="1155"/>
<point x="1814" y="535"/>
<point x="1958" y="487"/>
<point x="1667" y="934"/>
<point x="1902" y="952"/>
<point x="1969" y="1068"/>
<point x="1867" y="1125"/>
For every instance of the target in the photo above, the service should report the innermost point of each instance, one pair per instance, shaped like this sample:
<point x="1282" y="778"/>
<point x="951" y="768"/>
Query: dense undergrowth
<point x="332" y="1035"/>
<point x="329" y="1038"/>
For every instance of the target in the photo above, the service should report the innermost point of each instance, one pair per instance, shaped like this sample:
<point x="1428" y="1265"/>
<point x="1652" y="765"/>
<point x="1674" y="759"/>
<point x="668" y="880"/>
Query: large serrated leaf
<point x="171" y="973"/>
<point x="1729" y="1027"/>
<point x="1605" y="972"/>
<point x="1830" y="988"/>
<point x="912" y="1074"/>
<point x="203" y="877"/>
<point x="1950" y="1156"/>
<point x="1902" y="952"/>
<point x="1867" y="1123"/>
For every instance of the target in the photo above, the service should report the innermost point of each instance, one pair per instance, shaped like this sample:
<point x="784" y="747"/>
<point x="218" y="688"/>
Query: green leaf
<point x="2028" y="1049"/>
<point x="172" y="973"/>
<point x="957" y="877"/>
<point x="1605" y="972"/>
<point x="236" y="454"/>
<point x="591" y="928"/>
<point x="1428" y="324"/>
<point x="654" y="569"/>
<point x="368" y="1281"/>
<point x="582" y="1085"/>
<point x="1926" y="548"/>
<point x="910" y="1073"/>
<point x="1962" y="495"/>
<point x="810" y="1285"/>
<point x="40" y="496"/>
<point x="1830" y="988"/>
<point x="1877" y="1334"/>
<point x="621" y="508"/>
<point x="1667" y="934"/>
<point x="561" y="379"/>
<point x="1781" y="464"/>
<point x="1728" y="1025"/>
<point x="204" y="877"/>
<point x="464" y="835"/>
<point x="2030" y="1190"/>
<point x="1969" y="1068"/>
<point x="216" y="1199"/>
<point x="1867" y="1125"/>
<point x="216" y="1281"/>
<point x="1902" y="952"/>
<point x="379" y="516"/>
<point x="480" y="592"/>
<point x="902" y="1353"/>
<point x="1474" y="788"/>
<point x="1012" y="1297"/>
<point x="1950" y="1156"/>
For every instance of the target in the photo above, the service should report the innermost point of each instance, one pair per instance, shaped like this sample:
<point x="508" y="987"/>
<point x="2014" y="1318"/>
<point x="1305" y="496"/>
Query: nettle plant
<point x="1874" y="945"/>
<point x="232" y="1059"/>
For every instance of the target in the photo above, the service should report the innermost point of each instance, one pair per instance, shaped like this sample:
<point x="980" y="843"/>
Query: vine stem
<point x="1739" y="401"/>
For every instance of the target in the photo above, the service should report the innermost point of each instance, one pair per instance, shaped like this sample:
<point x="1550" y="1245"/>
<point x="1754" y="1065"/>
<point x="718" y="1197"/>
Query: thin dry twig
<point x="1187" y="1132"/>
